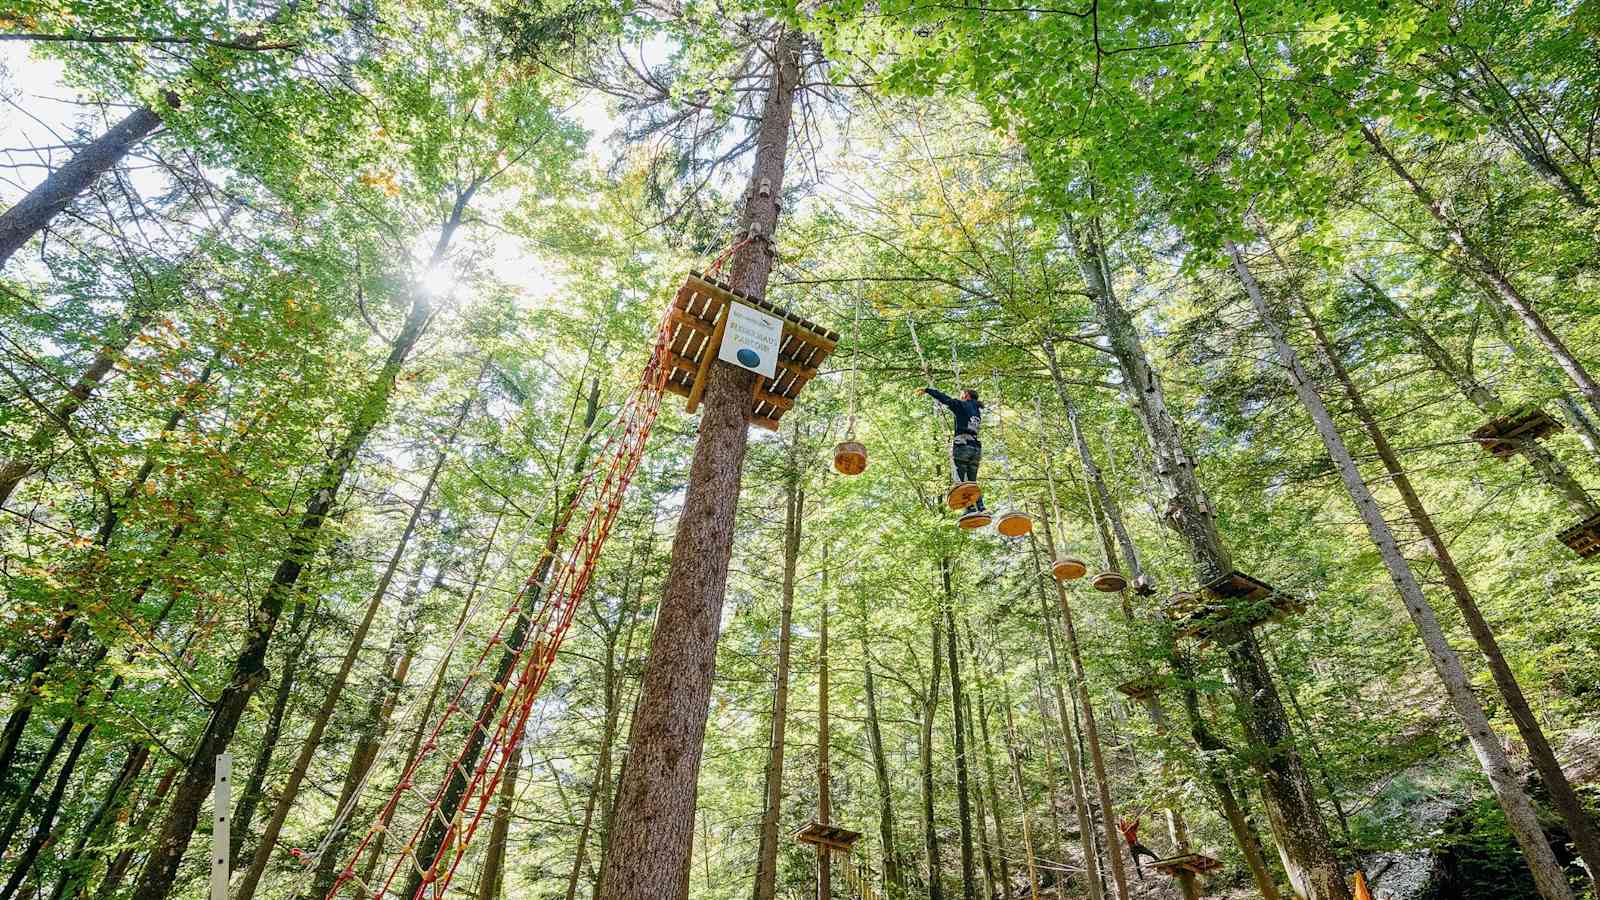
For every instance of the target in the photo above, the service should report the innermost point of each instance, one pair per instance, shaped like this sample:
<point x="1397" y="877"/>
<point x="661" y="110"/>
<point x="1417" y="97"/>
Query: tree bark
<point x="824" y="740"/>
<point x="1022" y="801"/>
<point x="1069" y="744"/>
<point x="1519" y="810"/>
<point x="772" y="797"/>
<point x="34" y="211"/>
<point x="653" y="836"/>
<point x="930" y="825"/>
<point x="1291" y="800"/>
<point x="893" y="882"/>
<point x="995" y="810"/>
<point x="1091" y="734"/>
<point x="491" y="880"/>
<point x="255" y="786"/>
<point x="249" y="666"/>
<point x="985" y="846"/>
<point x="1490" y="271"/>
<point x="969" y="876"/>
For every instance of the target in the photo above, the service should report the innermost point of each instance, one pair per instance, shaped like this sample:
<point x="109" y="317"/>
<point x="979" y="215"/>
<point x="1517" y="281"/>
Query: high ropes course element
<point x="531" y="629"/>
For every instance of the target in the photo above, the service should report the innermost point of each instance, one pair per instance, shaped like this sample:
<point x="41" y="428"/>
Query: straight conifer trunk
<point x="893" y="883"/>
<point x="1520" y="815"/>
<point x="772" y="797"/>
<point x="653" y="836"/>
<point x="930" y="825"/>
<point x="969" y="875"/>
<point x="995" y="810"/>
<point x="1290" y="798"/>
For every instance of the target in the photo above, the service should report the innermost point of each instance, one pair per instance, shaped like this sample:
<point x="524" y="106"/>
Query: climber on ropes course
<point x="965" y="450"/>
<point x="1130" y="834"/>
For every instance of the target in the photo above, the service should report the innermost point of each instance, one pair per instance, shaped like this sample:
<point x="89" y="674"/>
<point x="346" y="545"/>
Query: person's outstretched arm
<point x="940" y="396"/>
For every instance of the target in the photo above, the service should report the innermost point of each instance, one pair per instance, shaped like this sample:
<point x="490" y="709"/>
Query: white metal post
<point x="222" y="798"/>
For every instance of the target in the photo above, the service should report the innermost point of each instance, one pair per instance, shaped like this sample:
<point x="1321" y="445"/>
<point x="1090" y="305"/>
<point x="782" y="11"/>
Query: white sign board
<point x="751" y="340"/>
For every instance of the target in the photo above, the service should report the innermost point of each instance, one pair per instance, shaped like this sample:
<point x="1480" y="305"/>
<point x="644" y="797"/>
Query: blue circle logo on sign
<point x="748" y="357"/>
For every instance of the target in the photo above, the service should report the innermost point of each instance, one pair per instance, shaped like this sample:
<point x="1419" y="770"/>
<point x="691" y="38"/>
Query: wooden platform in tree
<point x="831" y="836"/>
<point x="1584" y="537"/>
<point x="1504" y="436"/>
<point x="1141" y="687"/>
<point x="698" y="316"/>
<point x="1234" y="599"/>
<point x="1194" y="863"/>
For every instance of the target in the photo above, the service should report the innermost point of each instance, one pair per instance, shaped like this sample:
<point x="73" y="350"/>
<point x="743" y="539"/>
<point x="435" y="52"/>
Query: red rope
<point x="601" y="499"/>
<point x="716" y="264"/>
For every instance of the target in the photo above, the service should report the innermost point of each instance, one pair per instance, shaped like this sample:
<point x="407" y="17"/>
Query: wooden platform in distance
<point x="1195" y="863"/>
<point x="697" y="319"/>
<point x="1503" y="436"/>
<point x="831" y="836"/>
<point x="1201" y="615"/>
<point x="1141" y="687"/>
<point x="1584" y="537"/>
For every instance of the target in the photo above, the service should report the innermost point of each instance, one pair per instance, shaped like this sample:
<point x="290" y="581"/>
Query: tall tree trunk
<point x="1490" y="271"/>
<point x="794" y="503"/>
<point x="995" y="810"/>
<point x="1069" y="744"/>
<point x="1291" y="800"/>
<point x="113" y="881"/>
<point x="893" y="881"/>
<point x="985" y="846"/>
<point x="34" y="211"/>
<point x="1580" y="827"/>
<point x="491" y="880"/>
<point x="1542" y="461"/>
<point x="77" y="870"/>
<point x="255" y="786"/>
<point x="653" y="837"/>
<point x="47" y="816"/>
<point x="249" y="666"/>
<point x="1022" y="800"/>
<point x="1091" y="732"/>
<point x="1212" y="753"/>
<point x="930" y="824"/>
<point x="824" y="740"/>
<point x="1519" y="810"/>
<point x="969" y="876"/>
<point x="330" y="701"/>
<point x="600" y="785"/>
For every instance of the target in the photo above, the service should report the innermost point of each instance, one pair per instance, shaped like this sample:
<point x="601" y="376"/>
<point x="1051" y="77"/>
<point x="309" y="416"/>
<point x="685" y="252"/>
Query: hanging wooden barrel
<point x="1109" y="582"/>
<point x="850" y="458"/>
<point x="972" y="520"/>
<point x="963" y="494"/>
<point x="1013" y="524"/>
<point x="1068" y="568"/>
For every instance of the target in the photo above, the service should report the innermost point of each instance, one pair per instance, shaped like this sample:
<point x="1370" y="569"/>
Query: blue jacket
<point x="968" y="413"/>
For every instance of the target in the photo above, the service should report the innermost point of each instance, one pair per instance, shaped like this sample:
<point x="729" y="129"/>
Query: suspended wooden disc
<point x="1068" y="568"/>
<point x="1013" y="524"/>
<point x="1109" y="582"/>
<point x="963" y="494"/>
<point x="850" y="458"/>
<point x="974" y="520"/>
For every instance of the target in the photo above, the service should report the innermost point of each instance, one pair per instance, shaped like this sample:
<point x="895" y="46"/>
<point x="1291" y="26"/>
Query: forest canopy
<point x="1173" y="474"/>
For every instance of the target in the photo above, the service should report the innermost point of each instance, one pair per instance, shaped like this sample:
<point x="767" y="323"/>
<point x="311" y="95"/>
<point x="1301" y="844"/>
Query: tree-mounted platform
<point x="1584" y="537"/>
<point x="1190" y="863"/>
<point x="698" y="319"/>
<point x="1504" y="436"/>
<point x="1140" y="688"/>
<point x="831" y="836"/>
<point x="1233" y="599"/>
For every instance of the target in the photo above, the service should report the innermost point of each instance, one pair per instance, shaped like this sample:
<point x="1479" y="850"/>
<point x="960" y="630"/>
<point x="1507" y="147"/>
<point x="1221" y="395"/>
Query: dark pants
<point x="965" y="454"/>
<point x="1134" y="851"/>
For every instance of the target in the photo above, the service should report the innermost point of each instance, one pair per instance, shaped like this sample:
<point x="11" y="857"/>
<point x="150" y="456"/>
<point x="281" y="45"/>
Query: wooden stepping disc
<point x="1068" y="568"/>
<point x="850" y="458"/>
<point x="1014" y="524"/>
<point x="1109" y="582"/>
<point x="963" y="494"/>
<point x="974" y="520"/>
